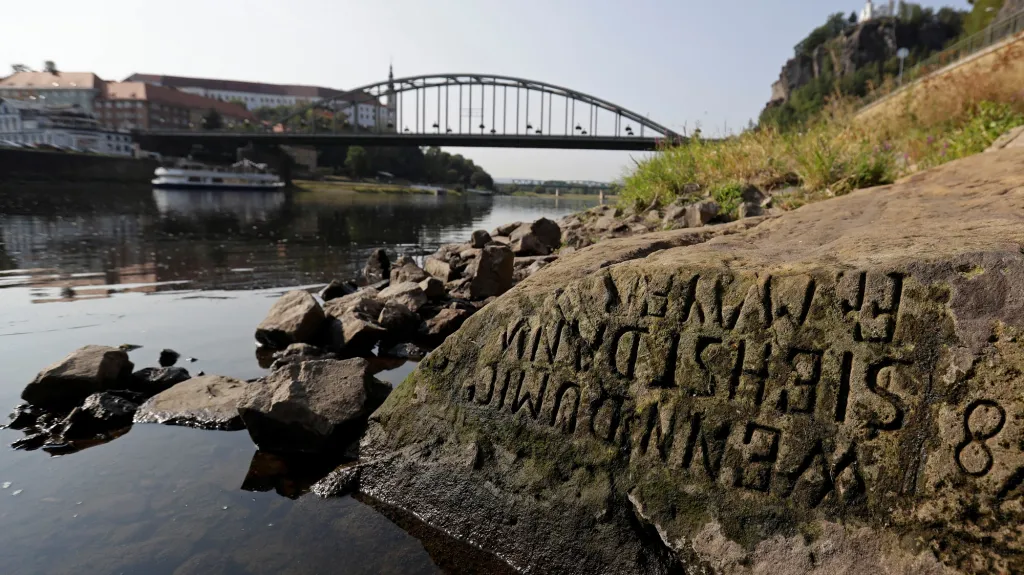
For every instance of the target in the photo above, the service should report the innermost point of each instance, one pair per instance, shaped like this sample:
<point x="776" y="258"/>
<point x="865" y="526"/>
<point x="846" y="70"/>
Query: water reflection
<point x="247" y="206"/>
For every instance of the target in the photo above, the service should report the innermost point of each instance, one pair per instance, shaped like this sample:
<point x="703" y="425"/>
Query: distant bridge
<point x="458" y="110"/>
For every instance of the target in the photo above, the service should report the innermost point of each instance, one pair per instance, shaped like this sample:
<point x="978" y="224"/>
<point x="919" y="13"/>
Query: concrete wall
<point x="26" y="165"/>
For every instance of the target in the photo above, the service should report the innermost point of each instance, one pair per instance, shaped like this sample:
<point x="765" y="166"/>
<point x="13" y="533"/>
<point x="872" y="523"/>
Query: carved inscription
<point x="983" y="420"/>
<point x="764" y="384"/>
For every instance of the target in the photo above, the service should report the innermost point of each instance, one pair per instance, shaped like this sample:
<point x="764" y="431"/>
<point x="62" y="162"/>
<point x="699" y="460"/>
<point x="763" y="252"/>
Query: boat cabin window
<point x="194" y="179"/>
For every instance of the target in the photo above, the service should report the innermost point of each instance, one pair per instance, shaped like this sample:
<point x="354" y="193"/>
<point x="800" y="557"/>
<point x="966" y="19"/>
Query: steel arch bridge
<point x="472" y="110"/>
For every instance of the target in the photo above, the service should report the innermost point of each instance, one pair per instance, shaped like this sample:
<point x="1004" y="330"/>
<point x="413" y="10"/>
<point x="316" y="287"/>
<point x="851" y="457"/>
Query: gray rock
<point x="337" y="289"/>
<point x="100" y="413"/>
<point x="338" y="483"/>
<point x="445" y="323"/>
<point x="362" y="303"/>
<point x="311" y="407"/>
<point x="353" y="334"/>
<point x="750" y="210"/>
<point x="675" y="214"/>
<point x="491" y="273"/>
<point x="539" y="238"/>
<point x="83" y="372"/>
<point x="440" y="269"/>
<point x="206" y="402"/>
<point x="701" y="213"/>
<point x="294" y="318"/>
<point x="408" y="294"/>
<point x="298" y="352"/>
<point x="433" y="288"/>
<point x="751" y="194"/>
<point x="506" y="229"/>
<point x="398" y="320"/>
<point x="480" y="239"/>
<point x="523" y="273"/>
<point x="378" y="266"/>
<point x="153" y="380"/>
<point x="405" y="351"/>
<point x="407" y="272"/>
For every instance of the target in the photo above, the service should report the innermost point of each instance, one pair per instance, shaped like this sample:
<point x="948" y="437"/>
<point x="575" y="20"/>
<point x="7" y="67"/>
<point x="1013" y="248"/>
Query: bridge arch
<point x="487" y="87"/>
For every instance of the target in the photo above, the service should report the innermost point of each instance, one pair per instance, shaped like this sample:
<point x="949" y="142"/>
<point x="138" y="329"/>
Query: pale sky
<point x="682" y="62"/>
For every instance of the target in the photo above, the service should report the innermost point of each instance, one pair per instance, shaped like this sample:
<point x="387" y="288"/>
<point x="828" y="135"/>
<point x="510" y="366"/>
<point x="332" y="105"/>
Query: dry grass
<point x="941" y="119"/>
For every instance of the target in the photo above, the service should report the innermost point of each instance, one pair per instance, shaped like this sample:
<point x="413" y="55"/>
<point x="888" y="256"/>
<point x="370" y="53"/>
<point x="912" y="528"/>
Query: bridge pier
<point x="600" y="198"/>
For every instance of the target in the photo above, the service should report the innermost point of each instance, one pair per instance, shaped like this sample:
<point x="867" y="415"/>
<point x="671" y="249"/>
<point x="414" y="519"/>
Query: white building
<point x="27" y="122"/>
<point x="871" y="12"/>
<point x="61" y="89"/>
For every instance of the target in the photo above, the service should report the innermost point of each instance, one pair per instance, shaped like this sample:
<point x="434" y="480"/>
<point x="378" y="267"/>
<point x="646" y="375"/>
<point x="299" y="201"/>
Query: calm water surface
<point x="195" y="272"/>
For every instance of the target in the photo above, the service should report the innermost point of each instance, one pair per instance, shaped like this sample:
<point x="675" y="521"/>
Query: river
<point x="195" y="272"/>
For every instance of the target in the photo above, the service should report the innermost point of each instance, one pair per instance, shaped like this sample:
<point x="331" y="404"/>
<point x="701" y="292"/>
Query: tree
<point x="357" y="162"/>
<point x="540" y="190"/>
<point x="50" y="68"/>
<point x="213" y="120"/>
<point x="481" y="179"/>
<point x="15" y="68"/>
<point x="853" y="18"/>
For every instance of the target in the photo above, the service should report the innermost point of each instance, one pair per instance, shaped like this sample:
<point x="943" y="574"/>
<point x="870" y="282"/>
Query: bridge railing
<point x="993" y="34"/>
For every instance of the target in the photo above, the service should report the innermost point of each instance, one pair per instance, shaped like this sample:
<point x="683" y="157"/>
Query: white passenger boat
<point x="189" y="174"/>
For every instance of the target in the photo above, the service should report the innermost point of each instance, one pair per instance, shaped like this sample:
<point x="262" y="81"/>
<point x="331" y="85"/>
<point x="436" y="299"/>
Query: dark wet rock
<point x="441" y="269"/>
<point x="136" y="397"/>
<point x="701" y="213"/>
<point x="444" y="323"/>
<point x="491" y="273"/>
<point x="24" y="417"/>
<point x="294" y="318"/>
<point x="290" y="476"/>
<point x="312" y="406"/>
<point x="480" y="239"/>
<point x="409" y="294"/>
<point x="338" y="483"/>
<point x="206" y="402"/>
<point x="539" y="238"/>
<point x="752" y="194"/>
<point x="88" y="370"/>
<point x="378" y="266"/>
<point x="407" y="350"/>
<point x="168" y="357"/>
<point x="507" y="229"/>
<point x="153" y="380"/>
<point x="399" y="321"/>
<point x="750" y="210"/>
<point x="337" y="289"/>
<point x="407" y="272"/>
<point x="31" y="442"/>
<point x="101" y="412"/>
<point x="433" y="288"/>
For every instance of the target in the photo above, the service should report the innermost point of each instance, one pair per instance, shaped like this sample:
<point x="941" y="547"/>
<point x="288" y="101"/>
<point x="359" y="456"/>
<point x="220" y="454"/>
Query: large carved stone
<point x="836" y="390"/>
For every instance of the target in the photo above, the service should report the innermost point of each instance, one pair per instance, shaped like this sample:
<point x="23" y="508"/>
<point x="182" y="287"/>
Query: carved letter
<point x="567" y="404"/>
<point x="763" y="450"/>
<point x="711" y="445"/>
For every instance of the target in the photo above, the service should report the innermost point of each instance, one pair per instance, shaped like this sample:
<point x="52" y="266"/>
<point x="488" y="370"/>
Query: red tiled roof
<point x="84" y="80"/>
<point x="236" y="86"/>
<point x="143" y="91"/>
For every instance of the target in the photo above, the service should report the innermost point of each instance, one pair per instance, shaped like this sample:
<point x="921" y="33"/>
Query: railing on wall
<point x="995" y="33"/>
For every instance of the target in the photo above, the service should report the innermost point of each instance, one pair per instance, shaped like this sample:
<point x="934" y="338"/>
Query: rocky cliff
<point x="834" y="390"/>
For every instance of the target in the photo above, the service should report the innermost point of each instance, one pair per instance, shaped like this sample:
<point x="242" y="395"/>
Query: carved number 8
<point x="991" y="418"/>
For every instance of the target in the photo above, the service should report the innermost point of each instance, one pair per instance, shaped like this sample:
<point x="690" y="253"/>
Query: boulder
<point x="378" y="266"/>
<point x="205" y="402"/>
<point x="353" y="333"/>
<point x="408" y="294"/>
<point x="440" y="269"/>
<point x="701" y="213"/>
<point x="294" y="318"/>
<point x="398" y="320"/>
<point x="81" y="373"/>
<point x="674" y="215"/>
<point x="152" y="380"/>
<point x="100" y="413"/>
<point x="405" y="351"/>
<point x="407" y="272"/>
<point x="750" y="210"/>
<point x="444" y="323"/>
<point x="506" y="230"/>
<point x="753" y="195"/>
<point x="539" y="238"/>
<point x="312" y="406"/>
<point x="433" y="288"/>
<point x="298" y="352"/>
<point x="833" y="390"/>
<point x="337" y="289"/>
<point x="491" y="273"/>
<point x="362" y="303"/>
<point x="479" y="239"/>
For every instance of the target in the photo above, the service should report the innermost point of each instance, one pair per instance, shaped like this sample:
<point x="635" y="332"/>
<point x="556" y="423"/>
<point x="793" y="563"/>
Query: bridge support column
<point x="600" y="198"/>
